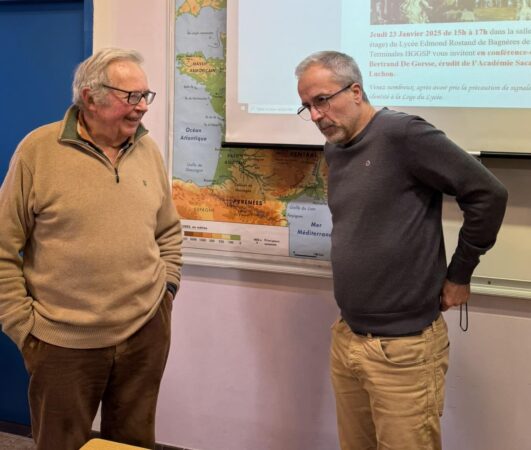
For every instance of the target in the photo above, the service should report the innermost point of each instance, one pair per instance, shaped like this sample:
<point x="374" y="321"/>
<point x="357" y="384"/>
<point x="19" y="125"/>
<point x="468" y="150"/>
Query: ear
<point x="88" y="99"/>
<point x="358" y="93"/>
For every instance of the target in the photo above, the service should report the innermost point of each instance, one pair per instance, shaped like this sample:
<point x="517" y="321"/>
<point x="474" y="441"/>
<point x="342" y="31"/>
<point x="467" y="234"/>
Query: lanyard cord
<point x="461" y="317"/>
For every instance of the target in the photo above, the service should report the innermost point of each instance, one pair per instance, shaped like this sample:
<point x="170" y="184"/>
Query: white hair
<point x="92" y="72"/>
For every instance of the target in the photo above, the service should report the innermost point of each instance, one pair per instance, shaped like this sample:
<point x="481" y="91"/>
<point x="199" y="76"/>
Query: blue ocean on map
<point x="310" y="225"/>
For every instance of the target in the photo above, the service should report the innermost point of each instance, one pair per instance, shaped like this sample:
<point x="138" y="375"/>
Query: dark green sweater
<point x="385" y="194"/>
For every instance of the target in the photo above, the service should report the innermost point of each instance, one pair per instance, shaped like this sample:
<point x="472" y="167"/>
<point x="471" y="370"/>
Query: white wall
<point x="488" y="401"/>
<point x="141" y="25"/>
<point x="248" y="364"/>
<point x="248" y="367"/>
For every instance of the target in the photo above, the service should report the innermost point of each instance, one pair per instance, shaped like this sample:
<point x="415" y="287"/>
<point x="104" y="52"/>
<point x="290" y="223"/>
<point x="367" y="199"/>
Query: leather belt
<point x="371" y="335"/>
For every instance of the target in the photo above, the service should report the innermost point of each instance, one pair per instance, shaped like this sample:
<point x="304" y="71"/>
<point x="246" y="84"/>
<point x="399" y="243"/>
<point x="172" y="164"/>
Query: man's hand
<point x="453" y="294"/>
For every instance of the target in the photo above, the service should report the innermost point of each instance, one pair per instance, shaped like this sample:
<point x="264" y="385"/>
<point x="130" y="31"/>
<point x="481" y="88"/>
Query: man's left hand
<point x="453" y="294"/>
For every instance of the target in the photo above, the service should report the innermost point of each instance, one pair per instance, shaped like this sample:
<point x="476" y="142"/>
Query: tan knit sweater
<point x="86" y="249"/>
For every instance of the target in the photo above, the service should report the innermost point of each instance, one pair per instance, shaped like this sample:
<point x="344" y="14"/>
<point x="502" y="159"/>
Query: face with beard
<point x="344" y="118"/>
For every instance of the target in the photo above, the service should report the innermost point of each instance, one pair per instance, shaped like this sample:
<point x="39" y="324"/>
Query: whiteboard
<point x="506" y="268"/>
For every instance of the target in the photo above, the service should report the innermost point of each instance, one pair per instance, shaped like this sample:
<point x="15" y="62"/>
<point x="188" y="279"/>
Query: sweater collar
<point x="74" y="130"/>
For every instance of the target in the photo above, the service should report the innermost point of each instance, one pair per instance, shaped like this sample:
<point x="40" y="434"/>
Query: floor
<point x="17" y="437"/>
<point x="15" y="442"/>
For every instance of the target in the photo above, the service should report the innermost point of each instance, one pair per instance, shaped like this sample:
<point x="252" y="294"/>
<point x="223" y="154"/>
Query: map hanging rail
<point x="505" y="155"/>
<point x="262" y="146"/>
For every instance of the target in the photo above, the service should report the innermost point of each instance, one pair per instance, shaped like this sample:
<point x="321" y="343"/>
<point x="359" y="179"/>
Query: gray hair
<point x="92" y="72"/>
<point x="343" y="67"/>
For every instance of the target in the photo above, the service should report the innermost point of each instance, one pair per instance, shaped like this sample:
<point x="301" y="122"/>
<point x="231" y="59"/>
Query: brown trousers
<point x="389" y="391"/>
<point x="67" y="385"/>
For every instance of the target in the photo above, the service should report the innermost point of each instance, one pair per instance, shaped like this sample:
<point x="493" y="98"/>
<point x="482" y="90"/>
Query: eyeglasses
<point x="134" y="97"/>
<point x="321" y="104"/>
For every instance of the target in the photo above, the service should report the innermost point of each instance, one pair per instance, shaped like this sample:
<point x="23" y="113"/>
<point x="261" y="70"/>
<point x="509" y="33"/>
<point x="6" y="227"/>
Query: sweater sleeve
<point x="16" y="223"/>
<point x="169" y="236"/>
<point x="439" y="163"/>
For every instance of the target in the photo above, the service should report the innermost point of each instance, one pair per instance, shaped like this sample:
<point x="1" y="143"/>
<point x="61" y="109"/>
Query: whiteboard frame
<point x="288" y="265"/>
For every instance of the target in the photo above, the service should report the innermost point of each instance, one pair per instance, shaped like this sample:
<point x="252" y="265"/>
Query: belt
<point x="371" y="335"/>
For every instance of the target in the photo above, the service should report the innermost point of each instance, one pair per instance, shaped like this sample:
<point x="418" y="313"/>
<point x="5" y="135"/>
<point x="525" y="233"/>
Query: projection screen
<point x="463" y="65"/>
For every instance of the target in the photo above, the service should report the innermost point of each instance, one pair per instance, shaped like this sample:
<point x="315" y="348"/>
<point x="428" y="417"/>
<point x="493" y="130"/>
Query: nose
<point x="142" y="105"/>
<point x="315" y="114"/>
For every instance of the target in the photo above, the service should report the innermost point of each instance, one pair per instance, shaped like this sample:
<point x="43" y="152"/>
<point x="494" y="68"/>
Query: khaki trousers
<point x="389" y="391"/>
<point x="67" y="385"/>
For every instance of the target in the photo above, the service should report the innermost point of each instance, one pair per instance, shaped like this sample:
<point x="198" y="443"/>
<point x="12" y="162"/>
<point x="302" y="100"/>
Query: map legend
<point x="238" y="237"/>
<point x="203" y="235"/>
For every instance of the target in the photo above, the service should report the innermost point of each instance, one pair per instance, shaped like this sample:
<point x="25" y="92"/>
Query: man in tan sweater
<point x="90" y="260"/>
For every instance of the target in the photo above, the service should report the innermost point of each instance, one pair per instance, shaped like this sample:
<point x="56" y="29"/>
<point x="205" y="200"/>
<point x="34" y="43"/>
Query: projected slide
<point x="446" y="60"/>
<point x="421" y="53"/>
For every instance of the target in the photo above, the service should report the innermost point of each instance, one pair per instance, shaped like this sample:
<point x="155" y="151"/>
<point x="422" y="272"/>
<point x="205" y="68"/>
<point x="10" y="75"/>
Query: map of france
<point x="270" y="201"/>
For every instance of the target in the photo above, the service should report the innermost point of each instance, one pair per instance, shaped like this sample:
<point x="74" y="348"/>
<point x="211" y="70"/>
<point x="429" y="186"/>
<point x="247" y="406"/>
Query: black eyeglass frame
<point x="148" y="96"/>
<point x="324" y="99"/>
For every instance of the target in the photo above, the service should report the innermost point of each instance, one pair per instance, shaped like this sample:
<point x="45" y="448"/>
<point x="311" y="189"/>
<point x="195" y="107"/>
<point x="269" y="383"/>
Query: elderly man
<point x="387" y="175"/>
<point x="90" y="260"/>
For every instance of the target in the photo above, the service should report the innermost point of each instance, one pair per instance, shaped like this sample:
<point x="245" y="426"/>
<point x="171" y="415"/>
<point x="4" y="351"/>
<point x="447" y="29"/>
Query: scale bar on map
<point x="240" y="237"/>
<point x="224" y="236"/>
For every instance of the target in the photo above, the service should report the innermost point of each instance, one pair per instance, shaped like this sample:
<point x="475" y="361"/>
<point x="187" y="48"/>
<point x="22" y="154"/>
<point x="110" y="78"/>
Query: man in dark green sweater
<point x="388" y="172"/>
